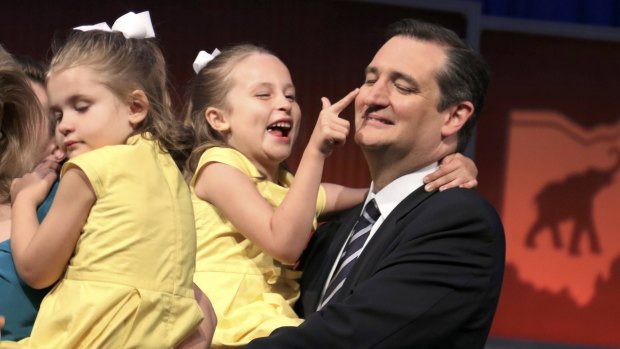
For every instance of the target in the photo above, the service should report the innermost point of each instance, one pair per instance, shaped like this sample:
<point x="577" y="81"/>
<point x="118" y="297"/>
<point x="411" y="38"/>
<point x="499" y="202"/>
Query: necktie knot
<point x="371" y="211"/>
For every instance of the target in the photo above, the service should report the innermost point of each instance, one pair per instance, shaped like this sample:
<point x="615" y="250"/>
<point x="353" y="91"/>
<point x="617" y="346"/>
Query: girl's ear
<point x="458" y="116"/>
<point x="216" y="118"/>
<point x="138" y="107"/>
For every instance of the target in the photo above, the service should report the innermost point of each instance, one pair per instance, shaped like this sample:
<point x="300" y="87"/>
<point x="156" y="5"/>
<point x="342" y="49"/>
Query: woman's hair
<point x="21" y="121"/>
<point x="34" y="70"/>
<point x="209" y="89"/>
<point x="125" y="65"/>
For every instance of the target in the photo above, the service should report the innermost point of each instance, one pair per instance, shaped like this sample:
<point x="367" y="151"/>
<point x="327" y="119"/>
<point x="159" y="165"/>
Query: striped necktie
<point x="351" y="252"/>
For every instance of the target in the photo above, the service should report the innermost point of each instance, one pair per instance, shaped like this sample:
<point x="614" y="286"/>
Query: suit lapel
<point x="328" y="250"/>
<point x="385" y="235"/>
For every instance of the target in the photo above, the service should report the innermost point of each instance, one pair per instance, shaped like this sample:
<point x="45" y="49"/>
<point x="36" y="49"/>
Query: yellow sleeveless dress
<point x="129" y="282"/>
<point x="252" y="293"/>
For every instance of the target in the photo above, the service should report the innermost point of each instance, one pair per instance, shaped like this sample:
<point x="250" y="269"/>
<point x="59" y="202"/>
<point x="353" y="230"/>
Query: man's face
<point x="396" y="109"/>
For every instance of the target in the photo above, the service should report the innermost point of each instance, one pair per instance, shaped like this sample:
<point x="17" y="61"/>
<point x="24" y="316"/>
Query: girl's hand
<point x="35" y="185"/>
<point x="330" y="129"/>
<point x="455" y="170"/>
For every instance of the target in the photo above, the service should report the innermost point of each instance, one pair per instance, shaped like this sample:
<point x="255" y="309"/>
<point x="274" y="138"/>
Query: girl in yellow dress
<point x="120" y="233"/>
<point x="253" y="220"/>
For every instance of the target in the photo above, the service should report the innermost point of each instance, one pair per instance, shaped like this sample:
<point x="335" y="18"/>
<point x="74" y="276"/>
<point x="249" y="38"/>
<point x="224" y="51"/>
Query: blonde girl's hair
<point x="209" y="89"/>
<point x="22" y="122"/>
<point x="125" y="65"/>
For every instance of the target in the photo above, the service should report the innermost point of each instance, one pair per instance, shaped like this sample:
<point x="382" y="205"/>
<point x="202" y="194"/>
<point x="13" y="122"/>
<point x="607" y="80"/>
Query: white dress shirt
<point x="387" y="199"/>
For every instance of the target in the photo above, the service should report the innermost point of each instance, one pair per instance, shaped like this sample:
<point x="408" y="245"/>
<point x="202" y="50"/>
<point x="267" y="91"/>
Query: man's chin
<point x="369" y="142"/>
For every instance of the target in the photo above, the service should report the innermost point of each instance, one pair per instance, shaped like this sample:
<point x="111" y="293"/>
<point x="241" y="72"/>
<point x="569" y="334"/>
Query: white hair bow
<point x="133" y="26"/>
<point x="203" y="58"/>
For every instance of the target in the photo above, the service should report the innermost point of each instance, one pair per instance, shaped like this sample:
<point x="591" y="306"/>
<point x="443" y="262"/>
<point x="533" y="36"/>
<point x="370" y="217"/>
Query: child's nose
<point x="284" y="103"/>
<point x="64" y="127"/>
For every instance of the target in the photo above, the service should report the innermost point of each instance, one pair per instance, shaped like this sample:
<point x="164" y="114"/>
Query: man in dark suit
<point x="419" y="270"/>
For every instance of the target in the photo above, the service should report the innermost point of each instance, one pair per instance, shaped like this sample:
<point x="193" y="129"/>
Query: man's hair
<point x="465" y="75"/>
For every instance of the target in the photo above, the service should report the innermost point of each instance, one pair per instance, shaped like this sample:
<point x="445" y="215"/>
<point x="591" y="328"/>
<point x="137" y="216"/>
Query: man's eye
<point x="405" y="89"/>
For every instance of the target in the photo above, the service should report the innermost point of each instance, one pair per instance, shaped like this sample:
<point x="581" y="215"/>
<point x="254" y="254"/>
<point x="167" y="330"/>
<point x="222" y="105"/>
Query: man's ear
<point x="138" y="107"/>
<point x="457" y="117"/>
<point x="218" y="121"/>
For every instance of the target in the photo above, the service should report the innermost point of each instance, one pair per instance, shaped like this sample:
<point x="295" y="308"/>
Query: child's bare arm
<point x="41" y="252"/>
<point x="455" y="170"/>
<point x="341" y="198"/>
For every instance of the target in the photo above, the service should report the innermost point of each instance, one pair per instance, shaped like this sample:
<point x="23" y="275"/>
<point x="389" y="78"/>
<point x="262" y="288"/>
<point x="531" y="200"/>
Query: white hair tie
<point x="132" y="25"/>
<point x="203" y="58"/>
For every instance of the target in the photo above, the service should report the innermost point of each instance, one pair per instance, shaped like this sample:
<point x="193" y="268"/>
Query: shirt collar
<point x="392" y="194"/>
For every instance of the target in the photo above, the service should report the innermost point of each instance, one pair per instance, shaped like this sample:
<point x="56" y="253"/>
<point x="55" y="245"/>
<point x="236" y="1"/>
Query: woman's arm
<point x="41" y="252"/>
<point x="201" y="338"/>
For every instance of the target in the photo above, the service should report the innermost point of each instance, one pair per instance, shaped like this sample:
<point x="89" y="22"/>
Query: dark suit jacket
<point x="430" y="277"/>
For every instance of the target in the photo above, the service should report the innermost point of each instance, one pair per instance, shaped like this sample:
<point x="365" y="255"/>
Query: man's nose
<point x="376" y="94"/>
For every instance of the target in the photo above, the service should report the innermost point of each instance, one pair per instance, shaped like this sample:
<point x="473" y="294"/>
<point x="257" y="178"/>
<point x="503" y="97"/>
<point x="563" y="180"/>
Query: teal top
<point x="19" y="303"/>
<point x="45" y="205"/>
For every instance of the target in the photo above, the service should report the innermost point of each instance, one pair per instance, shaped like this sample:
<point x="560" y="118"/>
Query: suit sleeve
<point x="438" y="276"/>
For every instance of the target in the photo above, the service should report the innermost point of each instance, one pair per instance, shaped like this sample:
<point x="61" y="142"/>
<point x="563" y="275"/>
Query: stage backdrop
<point x="549" y="154"/>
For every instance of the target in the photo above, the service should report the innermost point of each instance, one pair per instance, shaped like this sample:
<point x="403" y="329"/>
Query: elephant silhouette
<point x="572" y="199"/>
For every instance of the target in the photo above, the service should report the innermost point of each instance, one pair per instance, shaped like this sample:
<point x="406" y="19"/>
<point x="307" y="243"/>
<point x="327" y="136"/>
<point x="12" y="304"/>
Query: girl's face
<point x="88" y="115"/>
<point x="262" y="114"/>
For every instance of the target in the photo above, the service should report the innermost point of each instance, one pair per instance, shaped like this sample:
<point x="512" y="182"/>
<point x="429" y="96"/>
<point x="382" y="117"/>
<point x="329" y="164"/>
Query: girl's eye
<point x="263" y="95"/>
<point x="81" y="108"/>
<point x="57" y="116"/>
<point x="291" y="98"/>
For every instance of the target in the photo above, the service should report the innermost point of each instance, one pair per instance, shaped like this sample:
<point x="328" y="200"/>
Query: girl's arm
<point x="339" y="198"/>
<point x="283" y="231"/>
<point x="455" y="170"/>
<point x="41" y="252"/>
